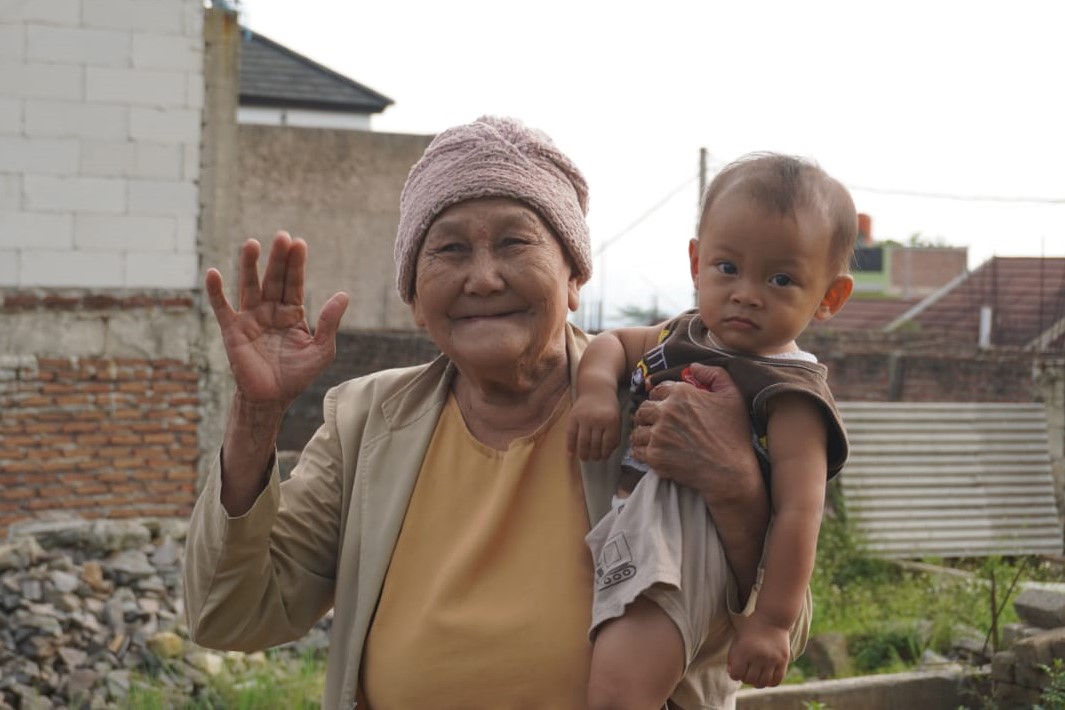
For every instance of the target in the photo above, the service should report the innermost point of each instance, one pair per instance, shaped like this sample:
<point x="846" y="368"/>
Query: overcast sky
<point x="953" y="98"/>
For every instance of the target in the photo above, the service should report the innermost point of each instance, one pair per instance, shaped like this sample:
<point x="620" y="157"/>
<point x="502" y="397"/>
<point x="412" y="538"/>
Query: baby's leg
<point x="637" y="660"/>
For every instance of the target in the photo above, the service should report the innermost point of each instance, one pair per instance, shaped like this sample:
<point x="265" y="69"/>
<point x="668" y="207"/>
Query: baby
<point x="775" y="239"/>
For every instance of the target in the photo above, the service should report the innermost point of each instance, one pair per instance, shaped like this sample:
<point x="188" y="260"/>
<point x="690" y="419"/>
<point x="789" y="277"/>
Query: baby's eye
<point x="780" y="280"/>
<point x="727" y="267"/>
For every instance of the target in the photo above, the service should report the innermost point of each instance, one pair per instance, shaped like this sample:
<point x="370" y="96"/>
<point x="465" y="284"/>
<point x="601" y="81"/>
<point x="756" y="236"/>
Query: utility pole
<point x="699" y="207"/>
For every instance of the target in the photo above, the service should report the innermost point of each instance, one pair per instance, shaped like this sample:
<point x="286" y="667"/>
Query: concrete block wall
<point x="100" y="123"/>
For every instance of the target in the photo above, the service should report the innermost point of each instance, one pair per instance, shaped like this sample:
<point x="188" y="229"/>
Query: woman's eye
<point x="780" y="280"/>
<point x="727" y="267"/>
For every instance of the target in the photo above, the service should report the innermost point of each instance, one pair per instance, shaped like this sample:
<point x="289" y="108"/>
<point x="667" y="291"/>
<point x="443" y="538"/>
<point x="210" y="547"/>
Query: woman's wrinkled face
<point x="493" y="285"/>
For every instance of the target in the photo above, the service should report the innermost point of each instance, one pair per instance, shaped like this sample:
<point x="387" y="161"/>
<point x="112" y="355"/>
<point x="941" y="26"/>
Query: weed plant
<point x="890" y="616"/>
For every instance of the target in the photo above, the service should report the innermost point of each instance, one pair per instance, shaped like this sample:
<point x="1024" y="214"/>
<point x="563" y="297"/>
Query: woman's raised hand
<point x="272" y="352"/>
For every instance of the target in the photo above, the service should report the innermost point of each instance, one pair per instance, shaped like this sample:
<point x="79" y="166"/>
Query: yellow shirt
<point x="487" y="599"/>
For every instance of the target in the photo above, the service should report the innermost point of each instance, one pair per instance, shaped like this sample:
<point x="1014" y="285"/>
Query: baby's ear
<point x="835" y="296"/>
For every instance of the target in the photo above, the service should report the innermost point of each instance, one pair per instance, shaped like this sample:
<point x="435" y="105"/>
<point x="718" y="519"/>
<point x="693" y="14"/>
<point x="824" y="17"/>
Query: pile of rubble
<point x="1020" y="674"/>
<point x="86" y="607"/>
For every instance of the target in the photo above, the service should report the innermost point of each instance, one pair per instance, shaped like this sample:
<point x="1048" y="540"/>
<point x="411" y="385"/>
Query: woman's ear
<point x="573" y="289"/>
<point x="693" y="257"/>
<point x="416" y="311"/>
<point x="835" y="296"/>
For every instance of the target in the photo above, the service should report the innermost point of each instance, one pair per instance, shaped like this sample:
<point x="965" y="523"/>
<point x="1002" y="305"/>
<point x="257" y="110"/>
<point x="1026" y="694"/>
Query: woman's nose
<point x="485" y="274"/>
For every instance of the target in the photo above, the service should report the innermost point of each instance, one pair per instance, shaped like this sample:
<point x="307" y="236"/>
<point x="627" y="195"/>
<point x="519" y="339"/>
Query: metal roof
<point x="950" y="479"/>
<point x="273" y="75"/>
<point x="1026" y="295"/>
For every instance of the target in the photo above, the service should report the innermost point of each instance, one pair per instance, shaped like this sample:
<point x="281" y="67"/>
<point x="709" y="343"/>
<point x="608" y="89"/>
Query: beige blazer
<point x="267" y="577"/>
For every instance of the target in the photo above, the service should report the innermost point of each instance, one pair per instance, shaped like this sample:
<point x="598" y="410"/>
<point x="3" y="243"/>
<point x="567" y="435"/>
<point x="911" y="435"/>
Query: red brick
<point x="132" y="387"/>
<point x="147" y="474"/>
<point x="112" y="476"/>
<point x="158" y="438"/>
<point x="19" y="441"/>
<point x="52" y="415"/>
<point x="47" y="453"/>
<point x="100" y="302"/>
<point x="93" y="465"/>
<point x="116" y="452"/>
<point x="48" y="363"/>
<point x="90" y="489"/>
<point x="34" y="402"/>
<point x="19" y="493"/>
<point x="147" y="427"/>
<point x="186" y="376"/>
<point x="127" y="463"/>
<point x="90" y="415"/>
<point x="58" y="389"/>
<point x="44" y="428"/>
<point x="129" y="439"/>
<point x="19" y="467"/>
<point x="80" y="427"/>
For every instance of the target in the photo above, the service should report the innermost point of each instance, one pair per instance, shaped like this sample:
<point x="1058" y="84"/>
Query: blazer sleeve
<point x="264" y="578"/>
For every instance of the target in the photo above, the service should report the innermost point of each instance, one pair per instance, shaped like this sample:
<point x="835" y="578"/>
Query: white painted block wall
<point x="100" y="116"/>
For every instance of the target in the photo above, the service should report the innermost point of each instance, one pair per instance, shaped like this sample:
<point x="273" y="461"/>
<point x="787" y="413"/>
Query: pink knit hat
<point x="492" y="157"/>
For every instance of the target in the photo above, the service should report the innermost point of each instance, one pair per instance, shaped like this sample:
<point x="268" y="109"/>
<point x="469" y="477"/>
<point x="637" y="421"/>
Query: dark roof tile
<point x="274" y="75"/>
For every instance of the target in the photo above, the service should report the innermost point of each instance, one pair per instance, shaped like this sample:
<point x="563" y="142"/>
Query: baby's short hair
<point x="784" y="184"/>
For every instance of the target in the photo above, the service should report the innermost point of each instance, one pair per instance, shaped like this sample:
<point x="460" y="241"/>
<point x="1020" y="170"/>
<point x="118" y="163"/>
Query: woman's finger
<point x="297" y="263"/>
<point x="223" y="312"/>
<point x="250" y="293"/>
<point x="274" y="278"/>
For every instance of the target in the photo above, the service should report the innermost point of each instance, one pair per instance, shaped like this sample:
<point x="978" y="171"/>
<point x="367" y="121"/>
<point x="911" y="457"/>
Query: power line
<point x="657" y="206"/>
<point x="960" y="198"/>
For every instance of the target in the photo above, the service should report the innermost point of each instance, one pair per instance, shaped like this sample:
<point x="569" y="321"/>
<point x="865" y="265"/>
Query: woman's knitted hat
<point x="492" y="157"/>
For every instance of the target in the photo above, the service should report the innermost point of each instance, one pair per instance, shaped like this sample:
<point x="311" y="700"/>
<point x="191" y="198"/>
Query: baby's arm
<point x="595" y="422"/>
<point x="797" y="454"/>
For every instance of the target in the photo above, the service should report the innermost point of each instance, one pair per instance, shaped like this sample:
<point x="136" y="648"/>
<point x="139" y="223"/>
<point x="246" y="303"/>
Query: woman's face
<point x="493" y="286"/>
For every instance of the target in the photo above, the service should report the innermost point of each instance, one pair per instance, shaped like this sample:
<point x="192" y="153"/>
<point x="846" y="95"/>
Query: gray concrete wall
<point x="339" y="190"/>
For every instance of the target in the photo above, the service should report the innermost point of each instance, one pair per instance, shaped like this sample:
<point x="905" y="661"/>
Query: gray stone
<point x="1012" y="633"/>
<point x="20" y="554"/>
<point x="65" y="532"/>
<point x="1002" y="666"/>
<point x="828" y="655"/>
<point x="32" y="590"/>
<point x="117" y="535"/>
<point x="166" y="555"/>
<point x="72" y="657"/>
<point x="1041" y="606"/>
<point x="79" y="684"/>
<point x="129" y="565"/>
<point x="1040" y="648"/>
<point x="118" y="684"/>
<point x="65" y="582"/>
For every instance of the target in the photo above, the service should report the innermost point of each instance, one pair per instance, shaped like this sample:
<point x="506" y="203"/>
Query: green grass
<point x="278" y="682"/>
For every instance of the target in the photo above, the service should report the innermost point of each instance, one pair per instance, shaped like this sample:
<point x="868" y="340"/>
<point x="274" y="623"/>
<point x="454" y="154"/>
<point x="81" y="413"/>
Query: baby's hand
<point x="760" y="652"/>
<point x="594" y="427"/>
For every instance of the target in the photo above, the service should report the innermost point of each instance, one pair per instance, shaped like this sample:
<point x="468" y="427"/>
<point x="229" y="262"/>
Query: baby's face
<point x="761" y="277"/>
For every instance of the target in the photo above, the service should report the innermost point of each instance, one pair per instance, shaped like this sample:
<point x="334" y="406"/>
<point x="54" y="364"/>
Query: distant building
<point x="279" y="87"/>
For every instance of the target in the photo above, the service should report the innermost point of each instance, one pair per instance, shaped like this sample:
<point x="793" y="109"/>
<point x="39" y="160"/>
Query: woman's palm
<point x="272" y="353"/>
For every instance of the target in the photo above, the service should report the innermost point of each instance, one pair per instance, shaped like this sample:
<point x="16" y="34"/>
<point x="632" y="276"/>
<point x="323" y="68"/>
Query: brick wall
<point x="913" y="367"/>
<point x="100" y="405"/>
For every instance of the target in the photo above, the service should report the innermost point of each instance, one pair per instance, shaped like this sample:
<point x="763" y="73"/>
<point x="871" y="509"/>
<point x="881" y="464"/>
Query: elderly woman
<point x="437" y="510"/>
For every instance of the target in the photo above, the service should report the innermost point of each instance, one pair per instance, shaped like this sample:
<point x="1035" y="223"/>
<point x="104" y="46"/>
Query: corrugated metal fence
<point x="950" y="479"/>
